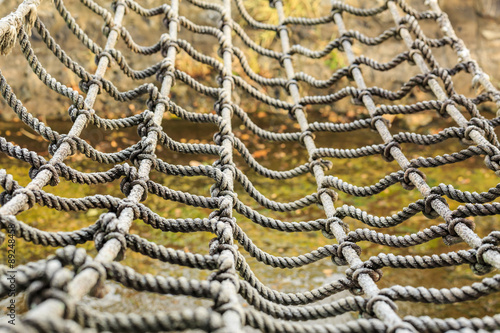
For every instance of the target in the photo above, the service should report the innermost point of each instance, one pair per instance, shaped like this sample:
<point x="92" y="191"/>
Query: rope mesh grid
<point x="55" y="286"/>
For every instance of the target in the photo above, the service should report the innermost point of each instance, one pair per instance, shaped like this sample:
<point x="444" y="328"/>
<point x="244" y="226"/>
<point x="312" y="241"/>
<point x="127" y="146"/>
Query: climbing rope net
<point x="55" y="286"/>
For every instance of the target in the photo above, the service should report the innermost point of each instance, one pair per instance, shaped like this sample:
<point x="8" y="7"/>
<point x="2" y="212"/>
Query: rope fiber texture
<point x="54" y="287"/>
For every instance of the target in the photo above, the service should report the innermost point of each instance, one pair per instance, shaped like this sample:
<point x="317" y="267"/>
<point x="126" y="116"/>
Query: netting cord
<point x="492" y="257"/>
<point x="226" y="301"/>
<point x="87" y="279"/>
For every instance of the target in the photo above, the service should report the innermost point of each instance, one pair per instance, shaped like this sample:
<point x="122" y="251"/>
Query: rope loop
<point x="28" y="193"/>
<point x="406" y="181"/>
<point x="74" y="112"/>
<point x="375" y="274"/>
<point x="166" y="68"/>
<point x="386" y="153"/>
<point x="110" y="230"/>
<point x="331" y="193"/>
<point x="442" y="111"/>
<point x="429" y="211"/>
<point x="324" y="164"/>
<point x="94" y="80"/>
<point x="351" y="69"/>
<point x="348" y="244"/>
<point x="379" y="298"/>
<point x="294" y="109"/>
<point x="455" y="221"/>
<point x="116" y="3"/>
<point x="54" y="174"/>
<point x="329" y="223"/>
<point x="282" y="60"/>
<point x="104" y="53"/>
<point x="305" y="134"/>
<point x="374" y="120"/>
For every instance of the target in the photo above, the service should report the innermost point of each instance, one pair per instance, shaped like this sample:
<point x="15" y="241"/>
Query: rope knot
<point x="110" y="229"/>
<point x="144" y="152"/>
<point x="375" y="274"/>
<point x="379" y="298"/>
<point x="425" y="82"/>
<point x="219" y="138"/>
<point x="111" y="26"/>
<point x="128" y="203"/>
<point x="75" y="112"/>
<point x="116" y="3"/>
<point x="324" y="164"/>
<point x="342" y="39"/>
<point x="357" y="97"/>
<point x="488" y="243"/>
<point x="429" y="211"/>
<point x="126" y="186"/>
<point x="64" y="138"/>
<point x="351" y="69"/>
<point x="54" y="174"/>
<point x="28" y="193"/>
<point x="493" y="162"/>
<point x="292" y="112"/>
<point x="291" y="82"/>
<point x="85" y="85"/>
<point x="284" y="57"/>
<point x="53" y="284"/>
<point x="386" y="154"/>
<point x="374" y="121"/>
<point x="303" y="135"/>
<point x="347" y="244"/>
<point x="39" y="292"/>
<point x="331" y="193"/>
<point x="443" y="109"/>
<point x="482" y="126"/>
<point x="170" y="16"/>
<point x="104" y="53"/>
<point x="406" y="181"/>
<point x="457" y="221"/>
<point x="272" y="3"/>
<point x="166" y="68"/>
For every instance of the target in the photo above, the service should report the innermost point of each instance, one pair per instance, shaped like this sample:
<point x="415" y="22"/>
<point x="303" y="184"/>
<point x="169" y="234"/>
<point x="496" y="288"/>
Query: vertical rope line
<point x="381" y="309"/>
<point x="19" y="201"/>
<point x="87" y="278"/>
<point x="439" y="205"/>
<point x="471" y="238"/>
<point x="464" y="54"/>
<point x="53" y="307"/>
<point x="433" y="84"/>
<point x="226" y="301"/>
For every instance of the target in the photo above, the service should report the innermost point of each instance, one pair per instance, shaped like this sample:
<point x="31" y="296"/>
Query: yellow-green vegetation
<point x="334" y="61"/>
